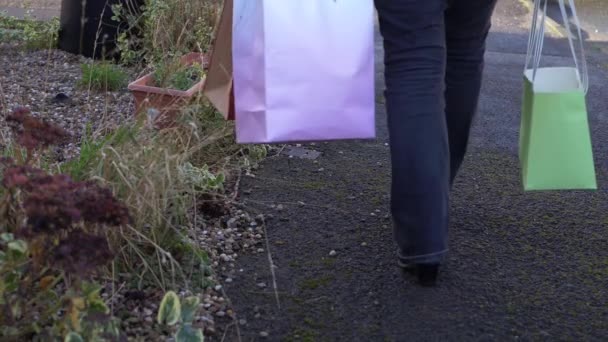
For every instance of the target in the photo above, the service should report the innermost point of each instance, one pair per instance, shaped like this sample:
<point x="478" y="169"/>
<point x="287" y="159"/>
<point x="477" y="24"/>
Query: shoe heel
<point x="428" y="274"/>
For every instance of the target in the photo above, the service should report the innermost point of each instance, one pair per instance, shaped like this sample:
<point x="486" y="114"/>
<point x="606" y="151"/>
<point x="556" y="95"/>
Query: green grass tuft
<point x="103" y="76"/>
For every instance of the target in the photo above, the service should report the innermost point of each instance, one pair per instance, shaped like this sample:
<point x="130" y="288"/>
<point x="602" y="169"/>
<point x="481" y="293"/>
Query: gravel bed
<point x="223" y="238"/>
<point x="46" y="82"/>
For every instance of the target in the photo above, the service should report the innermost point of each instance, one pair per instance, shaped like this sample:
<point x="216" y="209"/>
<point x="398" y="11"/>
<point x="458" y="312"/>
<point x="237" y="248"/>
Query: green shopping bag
<point x="555" y="147"/>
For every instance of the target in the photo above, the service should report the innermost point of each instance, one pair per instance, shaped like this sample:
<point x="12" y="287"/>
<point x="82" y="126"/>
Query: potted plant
<point x="170" y="87"/>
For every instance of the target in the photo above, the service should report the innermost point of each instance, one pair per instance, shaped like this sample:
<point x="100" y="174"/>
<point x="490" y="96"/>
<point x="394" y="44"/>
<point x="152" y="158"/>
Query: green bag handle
<point x="537" y="36"/>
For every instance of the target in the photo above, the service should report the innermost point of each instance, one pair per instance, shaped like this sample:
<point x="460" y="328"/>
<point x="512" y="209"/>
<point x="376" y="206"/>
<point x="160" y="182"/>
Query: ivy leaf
<point x="189" y="334"/>
<point x="7" y="237"/>
<point x="189" y="308"/>
<point x="170" y="309"/>
<point x="99" y="306"/>
<point x="73" y="337"/>
<point x="18" y="246"/>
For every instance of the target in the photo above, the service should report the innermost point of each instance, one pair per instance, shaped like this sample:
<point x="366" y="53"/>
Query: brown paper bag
<point x="219" y="85"/>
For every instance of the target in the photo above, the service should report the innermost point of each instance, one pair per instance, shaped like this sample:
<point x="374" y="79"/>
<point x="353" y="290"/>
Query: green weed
<point x="174" y="75"/>
<point x="102" y="76"/>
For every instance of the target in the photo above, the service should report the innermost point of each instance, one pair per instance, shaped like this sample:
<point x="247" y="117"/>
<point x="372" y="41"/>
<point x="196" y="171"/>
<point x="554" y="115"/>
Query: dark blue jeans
<point x="434" y="53"/>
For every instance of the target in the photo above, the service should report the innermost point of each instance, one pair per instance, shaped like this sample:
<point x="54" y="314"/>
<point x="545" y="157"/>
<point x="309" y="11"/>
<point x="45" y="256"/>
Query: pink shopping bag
<point x="303" y="70"/>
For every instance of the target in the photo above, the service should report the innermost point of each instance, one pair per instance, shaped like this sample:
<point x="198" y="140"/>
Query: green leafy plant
<point x="176" y="76"/>
<point x="102" y="76"/>
<point x="173" y="312"/>
<point x="41" y="35"/>
<point x="200" y="178"/>
<point x="11" y="28"/>
<point x="87" y="316"/>
<point x="34" y="34"/>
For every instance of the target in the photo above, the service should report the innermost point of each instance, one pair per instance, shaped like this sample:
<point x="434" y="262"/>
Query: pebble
<point x="232" y="223"/>
<point x="363" y="244"/>
<point x="220" y="314"/>
<point x="264" y="334"/>
<point x="229" y="280"/>
<point x="261" y="285"/>
<point x="260" y="250"/>
<point x="207" y="319"/>
<point x="218" y="287"/>
<point x="242" y="322"/>
<point x="333" y="253"/>
<point x="148" y="312"/>
<point x="280" y="207"/>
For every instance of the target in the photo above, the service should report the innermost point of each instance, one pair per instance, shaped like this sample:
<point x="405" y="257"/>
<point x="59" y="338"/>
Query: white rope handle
<point x="583" y="70"/>
<point x="535" y="39"/>
<point x="537" y="36"/>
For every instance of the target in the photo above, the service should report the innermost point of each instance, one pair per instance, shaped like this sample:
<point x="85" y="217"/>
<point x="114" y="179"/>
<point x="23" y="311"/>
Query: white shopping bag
<point x="303" y="70"/>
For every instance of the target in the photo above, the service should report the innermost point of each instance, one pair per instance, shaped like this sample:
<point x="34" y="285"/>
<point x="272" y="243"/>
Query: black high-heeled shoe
<point x="427" y="273"/>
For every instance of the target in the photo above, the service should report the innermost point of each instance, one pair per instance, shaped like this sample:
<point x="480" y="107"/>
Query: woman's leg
<point x="466" y="40"/>
<point x="415" y="62"/>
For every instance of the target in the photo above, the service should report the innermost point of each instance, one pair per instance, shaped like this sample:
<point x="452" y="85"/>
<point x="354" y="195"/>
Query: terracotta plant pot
<point x="168" y="102"/>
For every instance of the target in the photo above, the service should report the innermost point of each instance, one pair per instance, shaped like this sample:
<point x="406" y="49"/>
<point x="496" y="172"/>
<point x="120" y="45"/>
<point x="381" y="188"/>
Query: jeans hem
<point x="429" y="258"/>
